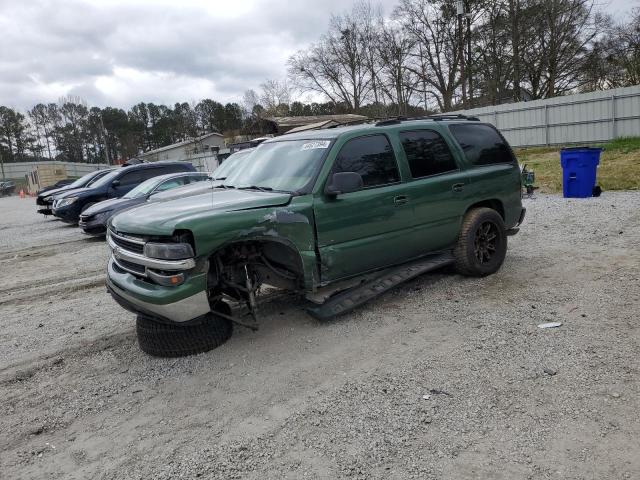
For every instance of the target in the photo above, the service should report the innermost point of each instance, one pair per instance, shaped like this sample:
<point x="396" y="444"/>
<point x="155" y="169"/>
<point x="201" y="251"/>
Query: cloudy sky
<point x="119" y="52"/>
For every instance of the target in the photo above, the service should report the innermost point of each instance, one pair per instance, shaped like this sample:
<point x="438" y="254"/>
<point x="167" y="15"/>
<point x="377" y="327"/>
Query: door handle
<point x="400" y="199"/>
<point x="458" y="187"/>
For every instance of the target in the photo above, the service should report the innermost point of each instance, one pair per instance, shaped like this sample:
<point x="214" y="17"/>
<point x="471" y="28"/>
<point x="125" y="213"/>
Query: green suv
<point x="338" y="215"/>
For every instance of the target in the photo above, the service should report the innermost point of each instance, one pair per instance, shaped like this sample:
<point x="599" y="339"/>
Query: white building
<point x="201" y="151"/>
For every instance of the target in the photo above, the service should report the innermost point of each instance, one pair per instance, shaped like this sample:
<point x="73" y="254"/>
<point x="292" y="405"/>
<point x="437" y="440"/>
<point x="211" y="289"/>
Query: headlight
<point x="169" y="251"/>
<point x="63" y="202"/>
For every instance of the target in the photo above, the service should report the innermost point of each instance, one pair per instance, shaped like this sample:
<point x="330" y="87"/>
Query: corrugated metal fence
<point x="20" y="169"/>
<point x="583" y="118"/>
<point x="202" y="163"/>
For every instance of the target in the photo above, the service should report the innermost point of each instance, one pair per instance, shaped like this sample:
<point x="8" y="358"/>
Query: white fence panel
<point x="583" y="118"/>
<point x="20" y="169"/>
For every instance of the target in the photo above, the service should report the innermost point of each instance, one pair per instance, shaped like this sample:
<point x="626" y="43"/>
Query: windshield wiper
<point x="256" y="187"/>
<point x="225" y="186"/>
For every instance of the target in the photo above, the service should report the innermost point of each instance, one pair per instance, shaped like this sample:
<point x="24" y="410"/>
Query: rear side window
<point x="372" y="157"/>
<point x="482" y="144"/>
<point x="148" y="173"/>
<point x="131" y="178"/>
<point x="427" y="153"/>
<point x="174" y="169"/>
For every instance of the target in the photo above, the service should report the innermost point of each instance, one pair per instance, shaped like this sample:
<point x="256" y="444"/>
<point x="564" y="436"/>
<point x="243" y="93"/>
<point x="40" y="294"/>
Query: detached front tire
<point x="482" y="244"/>
<point x="175" y="340"/>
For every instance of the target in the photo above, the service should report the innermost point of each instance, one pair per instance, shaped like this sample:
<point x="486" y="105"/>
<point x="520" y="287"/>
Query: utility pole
<point x="104" y="134"/>
<point x="2" y="166"/>
<point x="469" y="60"/>
<point x="460" y="13"/>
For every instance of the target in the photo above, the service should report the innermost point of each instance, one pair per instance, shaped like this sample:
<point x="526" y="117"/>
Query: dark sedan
<point x="7" y="188"/>
<point x="93" y="220"/>
<point x="68" y="206"/>
<point x="45" y="199"/>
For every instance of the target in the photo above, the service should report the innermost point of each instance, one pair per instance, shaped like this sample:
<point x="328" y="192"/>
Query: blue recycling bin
<point x="579" y="170"/>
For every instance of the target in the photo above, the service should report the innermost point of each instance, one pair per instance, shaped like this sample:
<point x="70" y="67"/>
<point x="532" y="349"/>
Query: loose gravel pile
<point x="444" y="377"/>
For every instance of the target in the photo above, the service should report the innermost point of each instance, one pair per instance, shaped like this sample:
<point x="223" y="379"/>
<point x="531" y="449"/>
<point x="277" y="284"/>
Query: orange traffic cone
<point x="21" y="193"/>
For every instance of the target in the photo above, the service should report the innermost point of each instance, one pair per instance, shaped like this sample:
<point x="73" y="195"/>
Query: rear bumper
<point x="522" y="215"/>
<point x="181" y="304"/>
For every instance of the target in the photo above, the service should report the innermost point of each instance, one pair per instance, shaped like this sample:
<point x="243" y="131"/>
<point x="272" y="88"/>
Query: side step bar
<point x="356" y="296"/>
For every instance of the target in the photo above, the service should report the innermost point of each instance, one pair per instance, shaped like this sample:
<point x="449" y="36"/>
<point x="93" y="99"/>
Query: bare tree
<point x="432" y="25"/>
<point x="397" y="81"/>
<point x="276" y="96"/>
<point x="336" y="66"/>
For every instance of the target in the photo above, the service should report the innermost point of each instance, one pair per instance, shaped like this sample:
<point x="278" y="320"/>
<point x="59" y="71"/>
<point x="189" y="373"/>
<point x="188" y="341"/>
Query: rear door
<point x="363" y="230"/>
<point x="492" y="168"/>
<point x="437" y="190"/>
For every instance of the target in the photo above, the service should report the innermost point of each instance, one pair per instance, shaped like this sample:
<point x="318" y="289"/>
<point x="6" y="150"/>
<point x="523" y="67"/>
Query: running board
<point x="356" y="296"/>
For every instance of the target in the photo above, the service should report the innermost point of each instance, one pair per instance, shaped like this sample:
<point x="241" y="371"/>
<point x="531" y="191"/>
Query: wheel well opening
<point x="269" y="262"/>
<point x="494" y="204"/>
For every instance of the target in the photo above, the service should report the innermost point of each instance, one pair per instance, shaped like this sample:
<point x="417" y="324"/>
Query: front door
<point x="363" y="230"/>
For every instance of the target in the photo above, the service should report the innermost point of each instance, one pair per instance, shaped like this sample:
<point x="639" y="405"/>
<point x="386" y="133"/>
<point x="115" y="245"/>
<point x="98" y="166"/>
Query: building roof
<point x="181" y="144"/>
<point x="292" y="122"/>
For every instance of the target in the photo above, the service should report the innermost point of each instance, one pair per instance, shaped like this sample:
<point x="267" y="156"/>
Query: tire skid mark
<point x="46" y="288"/>
<point x="25" y="370"/>
<point x="58" y="247"/>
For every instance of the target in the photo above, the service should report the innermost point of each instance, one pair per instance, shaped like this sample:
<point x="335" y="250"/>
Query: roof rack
<point x="435" y="118"/>
<point x="450" y="116"/>
<point x="390" y="121"/>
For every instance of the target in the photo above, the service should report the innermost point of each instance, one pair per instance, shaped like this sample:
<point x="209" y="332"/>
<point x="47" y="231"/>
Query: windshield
<point x="231" y="165"/>
<point x="84" y="180"/>
<point x="106" y="179"/>
<point x="143" y="189"/>
<point x="284" y="165"/>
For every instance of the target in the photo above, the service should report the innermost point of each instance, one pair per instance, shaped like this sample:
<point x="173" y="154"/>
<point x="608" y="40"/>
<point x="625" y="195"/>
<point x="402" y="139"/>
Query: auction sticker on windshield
<point x="316" y="144"/>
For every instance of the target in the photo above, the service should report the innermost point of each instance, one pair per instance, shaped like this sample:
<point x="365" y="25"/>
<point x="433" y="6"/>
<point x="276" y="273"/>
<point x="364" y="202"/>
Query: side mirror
<point x="344" y="182"/>
<point x="115" y="183"/>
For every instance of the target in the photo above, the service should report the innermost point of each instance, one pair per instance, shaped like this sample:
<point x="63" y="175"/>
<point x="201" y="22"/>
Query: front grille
<point x="128" y="245"/>
<point x="40" y="201"/>
<point x="131" y="267"/>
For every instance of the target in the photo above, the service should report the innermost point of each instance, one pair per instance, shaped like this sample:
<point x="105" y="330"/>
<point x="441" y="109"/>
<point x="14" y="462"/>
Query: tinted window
<point x="132" y="178"/>
<point x="427" y="153"/>
<point x="148" y="173"/>
<point x="173" y="169"/>
<point x="482" y="144"/>
<point x="372" y="157"/>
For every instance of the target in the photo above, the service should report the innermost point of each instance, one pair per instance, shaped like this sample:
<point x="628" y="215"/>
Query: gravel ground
<point x="444" y="377"/>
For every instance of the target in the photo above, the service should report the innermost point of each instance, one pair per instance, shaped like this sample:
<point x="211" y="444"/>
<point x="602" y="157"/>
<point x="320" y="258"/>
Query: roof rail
<point x="438" y="117"/>
<point x="390" y="121"/>
<point x="450" y="116"/>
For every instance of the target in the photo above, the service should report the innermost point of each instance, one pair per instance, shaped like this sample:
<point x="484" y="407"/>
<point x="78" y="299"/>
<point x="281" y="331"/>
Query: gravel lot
<point x="444" y="377"/>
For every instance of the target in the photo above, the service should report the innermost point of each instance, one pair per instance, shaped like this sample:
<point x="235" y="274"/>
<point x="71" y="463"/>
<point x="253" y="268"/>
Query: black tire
<point x="174" y="340"/>
<point x="482" y="243"/>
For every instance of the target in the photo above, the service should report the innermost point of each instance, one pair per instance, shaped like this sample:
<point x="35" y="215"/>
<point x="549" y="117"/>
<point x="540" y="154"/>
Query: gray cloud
<point x="116" y="52"/>
<point x="119" y="52"/>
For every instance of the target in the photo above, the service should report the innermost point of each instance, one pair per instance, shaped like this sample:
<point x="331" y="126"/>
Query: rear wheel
<point x="175" y="340"/>
<point x="482" y="244"/>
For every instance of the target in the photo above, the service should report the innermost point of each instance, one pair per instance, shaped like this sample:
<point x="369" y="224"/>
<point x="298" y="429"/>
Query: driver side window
<point x="372" y="157"/>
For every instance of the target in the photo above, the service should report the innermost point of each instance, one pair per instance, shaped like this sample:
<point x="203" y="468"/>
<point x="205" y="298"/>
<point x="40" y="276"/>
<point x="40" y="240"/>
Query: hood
<point x="162" y="218"/>
<point x="113" y="204"/>
<point x="55" y="191"/>
<point x="186" y="191"/>
<point x="73" y="192"/>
